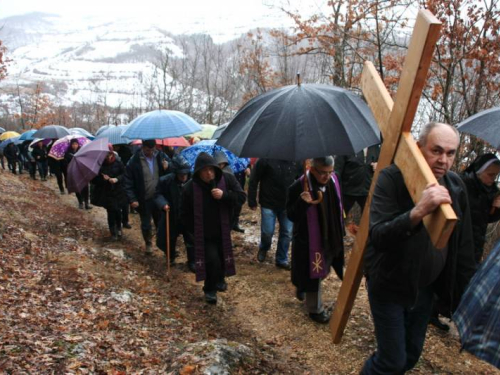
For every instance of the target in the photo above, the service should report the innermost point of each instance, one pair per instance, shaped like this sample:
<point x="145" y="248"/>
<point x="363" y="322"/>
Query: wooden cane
<point x="306" y="186"/>
<point x="167" y="221"/>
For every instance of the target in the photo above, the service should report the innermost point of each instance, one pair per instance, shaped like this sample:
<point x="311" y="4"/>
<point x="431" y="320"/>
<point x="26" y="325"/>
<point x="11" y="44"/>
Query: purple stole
<point x="199" y="239"/>
<point x="317" y="268"/>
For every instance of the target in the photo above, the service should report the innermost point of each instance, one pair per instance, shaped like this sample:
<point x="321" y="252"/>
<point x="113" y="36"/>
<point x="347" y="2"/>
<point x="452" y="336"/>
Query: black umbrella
<point x="51" y="132"/>
<point x="219" y="131"/>
<point x="299" y="122"/>
<point x="484" y="125"/>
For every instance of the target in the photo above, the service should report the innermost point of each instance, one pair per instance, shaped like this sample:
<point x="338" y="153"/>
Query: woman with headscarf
<point x="480" y="178"/>
<point x="108" y="192"/>
<point x="83" y="196"/>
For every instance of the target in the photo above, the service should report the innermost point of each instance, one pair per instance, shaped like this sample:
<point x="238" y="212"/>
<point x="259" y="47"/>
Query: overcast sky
<point x="236" y="8"/>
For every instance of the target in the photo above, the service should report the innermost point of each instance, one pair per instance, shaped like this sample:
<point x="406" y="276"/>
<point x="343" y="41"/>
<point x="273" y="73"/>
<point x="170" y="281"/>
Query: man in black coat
<point x="402" y="267"/>
<point x="356" y="173"/>
<point x="208" y="202"/>
<point x="142" y="174"/>
<point x="272" y="178"/>
<point x="168" y="199"/>
<point x="318" y="232"/>
<point x="12" y="154"/>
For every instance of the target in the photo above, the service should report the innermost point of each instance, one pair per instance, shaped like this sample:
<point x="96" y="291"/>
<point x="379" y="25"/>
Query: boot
<point x="88" y="206"/>
<point x="147" y="235"/>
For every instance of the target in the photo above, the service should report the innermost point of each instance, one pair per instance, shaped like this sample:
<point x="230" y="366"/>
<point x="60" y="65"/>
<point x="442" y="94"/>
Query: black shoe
<point x="88" y="207"/>
<point x="63" y="192"/>
<point x="221" y="287"/>
<point x="301" y="296"/>
<point x="261" y="255"/>
<point x="80" y="206"/>
<point x="438" y="324"/>
<point x="192" y="267"/>
<point x="322" y="317"/>
<point x="211" y="297"/>
<point x="127" y="226"/>
<point x="284" y="266"/>
<point x="119" y="233"/>
<point x="237" y="228"/>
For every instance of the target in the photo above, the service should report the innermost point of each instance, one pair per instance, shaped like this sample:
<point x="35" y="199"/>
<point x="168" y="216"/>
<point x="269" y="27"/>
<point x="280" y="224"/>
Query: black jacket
<point x="134" y="177"/>
<point x="395" y="251"/>
<point x="232" y="197"/>
<point x="40" y="154"/>
<point x="11" y="152"/>
<point x="105" y="194"/>
<point x="480" y="199"/>
<point x="355" y="171"/>
<point x="272" y="177"/>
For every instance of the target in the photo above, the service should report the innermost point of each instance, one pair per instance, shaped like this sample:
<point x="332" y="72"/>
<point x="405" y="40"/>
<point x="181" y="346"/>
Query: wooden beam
<point x="413" y="76"/>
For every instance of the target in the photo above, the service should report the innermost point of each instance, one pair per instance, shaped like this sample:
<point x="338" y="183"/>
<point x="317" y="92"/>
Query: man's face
<point x="148" y="151"/>
<point x="322" y="174"/>
<point x="207" y="174"/>
<point x="74" y="146"/>
<point x="182" y="177"/>
<point x="440" y="149"/>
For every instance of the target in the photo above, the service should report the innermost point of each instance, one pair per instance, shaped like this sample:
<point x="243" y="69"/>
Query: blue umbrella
<point x="478" y="315"/>
<point x="51" y="132"/>
<point x="28" y="136"/>
<point x="102" y="128"/>
<point x="2" y="130"/>
<point x="81" y="131"/>
<point x="161" y="124"/>
<point x="15" y="140"/>
<point x="237" y="164"/>
<point x="114" y="135"/>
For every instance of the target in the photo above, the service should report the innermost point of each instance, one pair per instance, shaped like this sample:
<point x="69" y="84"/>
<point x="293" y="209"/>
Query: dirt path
<point x="259" y="308"/>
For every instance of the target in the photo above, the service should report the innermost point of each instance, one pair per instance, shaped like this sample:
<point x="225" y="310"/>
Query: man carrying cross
<point x="402" y="267"/>
<point x="318" y="232"/>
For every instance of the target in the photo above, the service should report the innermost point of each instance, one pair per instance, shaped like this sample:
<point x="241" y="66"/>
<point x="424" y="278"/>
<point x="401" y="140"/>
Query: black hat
<point x="150" y="143"/>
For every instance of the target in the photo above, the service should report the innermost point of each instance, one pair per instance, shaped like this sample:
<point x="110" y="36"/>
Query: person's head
<point x="39" y="144"/>
<point x="438" y="143"/>
<point x="486" y="167"/>
<point x="74" y="145"/>
<point x="148" y="147"/>
<point x="221" y="159"/>
<point x="322" y="169"/>
<point x="181" y="168"/>
<point x="206" y="168"/>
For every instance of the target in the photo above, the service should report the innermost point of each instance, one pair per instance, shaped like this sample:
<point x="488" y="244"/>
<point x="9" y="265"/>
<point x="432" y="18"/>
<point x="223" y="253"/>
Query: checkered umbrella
<point x="478" y="315"/>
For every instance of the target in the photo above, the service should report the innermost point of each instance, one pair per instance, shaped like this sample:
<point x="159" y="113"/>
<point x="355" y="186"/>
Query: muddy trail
<point x="72" y="301"/>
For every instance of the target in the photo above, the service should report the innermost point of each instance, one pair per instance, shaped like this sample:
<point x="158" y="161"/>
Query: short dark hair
<point x="149" y="143"/>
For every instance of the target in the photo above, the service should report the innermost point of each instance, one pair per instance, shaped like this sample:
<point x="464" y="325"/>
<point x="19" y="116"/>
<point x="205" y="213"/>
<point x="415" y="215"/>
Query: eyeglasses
<point x="323" y="173"/>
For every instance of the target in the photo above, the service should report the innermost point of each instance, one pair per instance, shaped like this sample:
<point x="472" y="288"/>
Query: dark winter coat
<point x="11" y="153"/>
<point x="296" y="210"/>
<point x="272" y="178"/>
<point x="355" y="171"/>
<point x="40" y="154"/>
<point x="134" y="177"/>
<point x="395" y="250"/>
<point x="105" y="194"/>
<point x="232" y="197"/>
<point x="480" y="199"/>
<point x="169" y="191"/>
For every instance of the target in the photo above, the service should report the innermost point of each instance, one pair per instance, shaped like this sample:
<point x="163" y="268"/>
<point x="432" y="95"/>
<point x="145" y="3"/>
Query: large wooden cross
<point x="395" y="120"/>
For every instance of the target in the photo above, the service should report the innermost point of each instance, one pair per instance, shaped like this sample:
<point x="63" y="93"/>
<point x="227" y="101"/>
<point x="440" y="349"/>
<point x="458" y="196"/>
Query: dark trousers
<point x="42" y="168"/>
<point x="2" y="162"/>
<point x="83" y="196"/>
<point x="350" y="200"/>
<point x="400" y="333"/>
<point x="32" y="169"/>
<point x="60" y="180"/>
<point x="12" y="164"/>
<point x="124" y="212"/>
<point x="188" y="241"/>
<point x="148" y="211"/>
<point x="214" y="265"/>
<point x="114" y="220"/>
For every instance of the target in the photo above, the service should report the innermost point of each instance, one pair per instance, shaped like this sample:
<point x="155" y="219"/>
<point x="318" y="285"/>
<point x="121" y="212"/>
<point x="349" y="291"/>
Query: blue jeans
<point x="400" y="333"/>
<point x="268" y="222"/>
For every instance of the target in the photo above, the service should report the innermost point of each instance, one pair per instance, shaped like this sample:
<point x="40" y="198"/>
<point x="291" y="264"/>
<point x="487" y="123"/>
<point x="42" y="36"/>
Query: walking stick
<point x="167" y="221"/>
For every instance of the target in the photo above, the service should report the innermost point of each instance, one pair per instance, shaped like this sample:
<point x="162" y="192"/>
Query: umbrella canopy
<point x="59" y="148"/>
<point x="51" y="132"/>
<point x="114" y="135"/>
<point x="207" y="131"/>
<point x="299" y="122"/>
<point x="478" y="315"/>
<point x="36" y="140"/>
<point x="2" y="130"/>
<point x="173" y="142"/>
<point x="191" y="153"/>
<point x="219" y="131"/>
<point x="161" y="124"/>
<point x="484" y="125"/>
<point x="81" y="131"/>
<point x="15" y="140"/>
<point x="86" y="164"/>
<point x="102" y="128"/>
<point x="8" y="135"/>
<point x="28" y="135"/>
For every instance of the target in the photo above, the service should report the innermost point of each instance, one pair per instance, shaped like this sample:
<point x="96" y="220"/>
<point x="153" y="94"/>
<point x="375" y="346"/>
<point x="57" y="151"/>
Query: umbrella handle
<point x="167" y="221"/>
<point x="306" y="187"/>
